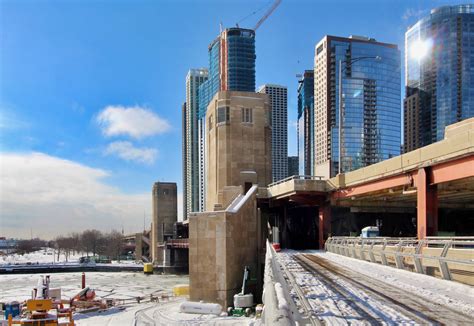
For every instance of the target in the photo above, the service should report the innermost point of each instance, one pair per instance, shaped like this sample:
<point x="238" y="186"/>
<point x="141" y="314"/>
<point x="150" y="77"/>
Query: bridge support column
<point x="427" y="205"/>
<point x="324" y="227"/>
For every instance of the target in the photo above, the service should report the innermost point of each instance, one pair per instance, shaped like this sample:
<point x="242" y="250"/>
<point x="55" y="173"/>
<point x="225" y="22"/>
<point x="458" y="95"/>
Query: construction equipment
<point x="243" y="303"/>
<point x="264" y="17"/>
<point x="267" y="14"/>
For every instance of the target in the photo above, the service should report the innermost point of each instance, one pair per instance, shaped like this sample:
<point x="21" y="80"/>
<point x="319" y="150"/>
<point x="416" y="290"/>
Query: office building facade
<point x="231" y="65"/>
<point x="439" y="54"/>
<point x="293" y="165"/>
<point x="191" y="142"/>
<point x="371" y="112"/>
<point x="279" y="120"/>
<point x="305" y="124"/>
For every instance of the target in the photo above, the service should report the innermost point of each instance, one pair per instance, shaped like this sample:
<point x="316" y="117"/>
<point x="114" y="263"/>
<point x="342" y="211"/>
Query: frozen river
<point x="107" y="285"/>
<point x="126" y="286"/>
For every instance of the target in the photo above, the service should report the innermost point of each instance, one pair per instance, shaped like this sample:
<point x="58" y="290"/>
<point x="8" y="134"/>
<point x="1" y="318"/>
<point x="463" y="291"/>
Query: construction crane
<point x="267" y="14"/>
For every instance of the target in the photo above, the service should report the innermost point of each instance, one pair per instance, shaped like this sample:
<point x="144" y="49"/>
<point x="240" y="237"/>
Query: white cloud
<point x="412" y="12"/>
<point x="128" y="152"/>
<point x="136" y="122"/>
<point x="55" y="196"/>
<point x="9" y="120"/>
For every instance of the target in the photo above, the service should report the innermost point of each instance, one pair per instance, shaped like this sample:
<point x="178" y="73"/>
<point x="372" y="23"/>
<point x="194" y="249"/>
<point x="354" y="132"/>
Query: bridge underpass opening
<point x="297" y="226"/>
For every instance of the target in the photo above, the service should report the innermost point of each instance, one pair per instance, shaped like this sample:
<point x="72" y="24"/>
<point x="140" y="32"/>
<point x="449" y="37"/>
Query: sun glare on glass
<point x="420" y="49"/>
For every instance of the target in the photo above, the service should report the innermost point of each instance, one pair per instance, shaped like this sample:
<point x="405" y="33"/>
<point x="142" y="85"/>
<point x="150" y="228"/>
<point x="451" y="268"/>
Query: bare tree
<point x="90" y="241"/>
<point x="114" y="244"/>
<point x="75" y="244"/>
<point x="24" y="246"/>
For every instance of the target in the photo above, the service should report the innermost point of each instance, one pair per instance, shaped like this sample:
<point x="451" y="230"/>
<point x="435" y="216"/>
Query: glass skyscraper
<point x="439" y="76"/>
<point x="305" y="125"/>
<point x="231" y="65"/>
<point x="371" y="130"/>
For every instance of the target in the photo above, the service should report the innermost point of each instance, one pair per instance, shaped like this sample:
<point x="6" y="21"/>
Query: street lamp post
<point x="378" y="58"/>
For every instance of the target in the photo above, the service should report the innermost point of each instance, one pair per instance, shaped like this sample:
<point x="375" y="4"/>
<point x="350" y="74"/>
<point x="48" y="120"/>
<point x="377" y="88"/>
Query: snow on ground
<point x="458" y="296"/>
<point x="118" y="285"/>
<point x="43" y="256"/>
<point x="50" y="256"/>
<point x="329" y="304"/>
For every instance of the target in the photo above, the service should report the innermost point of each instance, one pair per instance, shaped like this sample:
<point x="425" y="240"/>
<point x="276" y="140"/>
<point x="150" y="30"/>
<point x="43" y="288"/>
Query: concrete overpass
<point x="440" y="175"/>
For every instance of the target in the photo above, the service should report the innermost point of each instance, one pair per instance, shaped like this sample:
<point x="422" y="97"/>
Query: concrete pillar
<point x="427" y="205"/>
<point x="324" y="226"/>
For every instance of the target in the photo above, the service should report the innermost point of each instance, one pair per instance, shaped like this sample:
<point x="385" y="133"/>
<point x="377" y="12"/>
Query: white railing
<point x="443" y="254"/>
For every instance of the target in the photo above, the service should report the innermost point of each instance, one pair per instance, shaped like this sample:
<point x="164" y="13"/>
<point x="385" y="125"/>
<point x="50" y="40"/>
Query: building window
<point x="247" y="115"/>
<point x="210" y="122"/>
<point x="223" y="114"/>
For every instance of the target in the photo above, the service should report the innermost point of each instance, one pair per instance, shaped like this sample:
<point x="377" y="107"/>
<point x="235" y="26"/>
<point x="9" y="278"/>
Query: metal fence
<point x="451" y="258"/>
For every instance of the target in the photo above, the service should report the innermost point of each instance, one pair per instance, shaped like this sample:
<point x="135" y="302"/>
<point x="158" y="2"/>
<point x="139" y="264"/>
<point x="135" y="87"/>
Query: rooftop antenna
<point x="220" y="27"/>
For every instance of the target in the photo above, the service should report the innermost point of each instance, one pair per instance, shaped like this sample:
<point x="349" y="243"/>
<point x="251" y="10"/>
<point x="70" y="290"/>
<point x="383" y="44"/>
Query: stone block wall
<point x="221" y="243"/>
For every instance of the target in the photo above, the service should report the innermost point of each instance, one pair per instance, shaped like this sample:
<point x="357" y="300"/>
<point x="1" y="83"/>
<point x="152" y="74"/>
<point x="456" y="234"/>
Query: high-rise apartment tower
<point x="439" y="79"/>
<point x="191" y="154"/>
<point x="279" y="120"/>
<point x="370" y="100"/>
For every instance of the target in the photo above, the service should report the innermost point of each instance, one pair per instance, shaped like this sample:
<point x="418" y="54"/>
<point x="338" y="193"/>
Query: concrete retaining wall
<point x="276" y="310"/>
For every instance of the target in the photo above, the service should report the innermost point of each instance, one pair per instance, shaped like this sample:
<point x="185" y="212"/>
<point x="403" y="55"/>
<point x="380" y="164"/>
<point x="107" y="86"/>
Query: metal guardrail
<point x="177" y="243"/>
<point x="405" y="250"/>
<point x="296" y="177"/>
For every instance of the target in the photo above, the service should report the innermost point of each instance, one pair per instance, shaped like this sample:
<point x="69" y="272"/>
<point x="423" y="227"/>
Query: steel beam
<point x="324" y="226"/>
<point x="427" y="205"/>
<point x="453" y="170"/>
<point x="381" y="184"/>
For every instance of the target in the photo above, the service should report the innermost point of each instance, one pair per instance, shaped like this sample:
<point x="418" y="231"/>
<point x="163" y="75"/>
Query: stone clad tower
<point x="165" y="214"/>
<point x="226" y="238"/>
<point x="238" y="138"/>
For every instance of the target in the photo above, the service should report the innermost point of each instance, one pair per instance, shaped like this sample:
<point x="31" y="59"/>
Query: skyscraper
<point x="185" y="160"/>
<point x="231" y="67"/>
<point x="305" y="125"/>
<point x="194" y="79"/>
<point x="370" y="100"/>
<point x="279" y="104"/>
<point x="439" y="79"/>
<point x="293" y="166"/>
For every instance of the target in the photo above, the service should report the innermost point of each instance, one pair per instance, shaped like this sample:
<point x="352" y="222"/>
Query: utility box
<point x="148" y="268"/>
<point x="370" y="232"/>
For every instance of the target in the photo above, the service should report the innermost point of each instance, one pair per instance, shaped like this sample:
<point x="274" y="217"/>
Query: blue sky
<point x="91" y="94"/>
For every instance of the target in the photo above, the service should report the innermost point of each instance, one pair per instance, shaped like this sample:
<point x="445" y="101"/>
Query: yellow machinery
<point x="38" y="313"/>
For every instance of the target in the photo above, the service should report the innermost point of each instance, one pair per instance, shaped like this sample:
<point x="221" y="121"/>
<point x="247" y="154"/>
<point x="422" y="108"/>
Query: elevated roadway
<point x="440" y="175"/>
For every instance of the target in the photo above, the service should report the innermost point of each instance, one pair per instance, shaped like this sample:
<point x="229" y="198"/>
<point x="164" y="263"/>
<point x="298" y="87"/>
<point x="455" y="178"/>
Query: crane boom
<point x="267" y="14"/>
